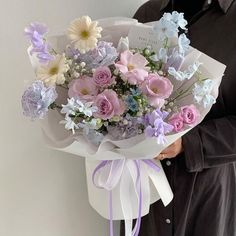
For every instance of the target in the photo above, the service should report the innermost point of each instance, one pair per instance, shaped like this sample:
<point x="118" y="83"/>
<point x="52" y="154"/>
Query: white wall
<point x="42" y="192"/>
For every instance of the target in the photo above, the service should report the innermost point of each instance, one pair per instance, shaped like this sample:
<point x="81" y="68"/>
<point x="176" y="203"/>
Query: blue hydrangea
<point x="136" y="92"/>
<point x="36" y="100"/>
<point x="132" y="103"/>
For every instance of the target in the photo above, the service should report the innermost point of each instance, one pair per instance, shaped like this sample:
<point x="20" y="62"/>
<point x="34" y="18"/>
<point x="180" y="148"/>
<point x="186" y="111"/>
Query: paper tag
<point x="141" y="36"/>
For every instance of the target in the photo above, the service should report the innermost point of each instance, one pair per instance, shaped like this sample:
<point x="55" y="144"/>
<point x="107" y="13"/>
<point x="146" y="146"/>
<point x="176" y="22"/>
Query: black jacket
<point x="203" y="178"/>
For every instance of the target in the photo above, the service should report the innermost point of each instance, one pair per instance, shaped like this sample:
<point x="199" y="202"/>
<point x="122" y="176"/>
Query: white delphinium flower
<point x="168" y="25"/>
<point x="201" y="92"/>
<point x="84" y="33"/>
<point x="165" y="29"/>
<point x="123" y="45"/>
<point x="69" y="124"/>
<point x="187" y="74"/>
<point x="183" y="43"/>
<point x="53" y="73"/>
<point x="87" y="108"/>
<point x="178" y="19"/>
<point x="75" y="105"/>
<point x="70" y="107"/>
<point x="179" y="75"/>
<point x="208" y="100"/>
<point x="161" y="56"/>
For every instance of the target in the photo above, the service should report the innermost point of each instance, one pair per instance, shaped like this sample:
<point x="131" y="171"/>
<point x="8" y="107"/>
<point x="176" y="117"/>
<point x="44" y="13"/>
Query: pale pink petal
<point x="156" y="102"/>
<point x="138" y="61"/>
<point x="125" y="57"/>
<point x="123" y="69"/>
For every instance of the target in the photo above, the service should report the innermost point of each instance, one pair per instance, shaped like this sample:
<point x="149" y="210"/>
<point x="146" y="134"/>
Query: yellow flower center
<point x="54" y="70"/>
<point x="130" y="67"/>
<point x="154" y="90"/>
<point x="84" y="34"/>
<point x="84" y="91"/>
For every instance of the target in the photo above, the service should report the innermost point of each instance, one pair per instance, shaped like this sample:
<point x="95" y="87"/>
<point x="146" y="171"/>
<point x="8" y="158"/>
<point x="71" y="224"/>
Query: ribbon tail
<point x="139" y="190"/>
<point x="126" y="202"/>
<point x="164" y="191"/>
<point x="111" y="213"/>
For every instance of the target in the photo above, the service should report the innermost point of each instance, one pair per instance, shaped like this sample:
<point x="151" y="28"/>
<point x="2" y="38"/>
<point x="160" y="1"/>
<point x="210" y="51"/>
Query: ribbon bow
<point x="108" y="174"/>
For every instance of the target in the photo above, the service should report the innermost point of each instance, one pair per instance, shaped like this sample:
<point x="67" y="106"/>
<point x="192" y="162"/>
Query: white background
<point x="42" y="192"/>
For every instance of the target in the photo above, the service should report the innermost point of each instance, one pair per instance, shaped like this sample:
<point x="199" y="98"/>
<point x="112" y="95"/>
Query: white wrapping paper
<point x="154" y="184"/>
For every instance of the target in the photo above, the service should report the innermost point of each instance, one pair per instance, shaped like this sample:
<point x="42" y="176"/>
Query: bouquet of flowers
<point x="118" y="92"/>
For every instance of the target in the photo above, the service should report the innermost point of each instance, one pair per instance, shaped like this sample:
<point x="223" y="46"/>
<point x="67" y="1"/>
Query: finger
<point x="161" y="156"/>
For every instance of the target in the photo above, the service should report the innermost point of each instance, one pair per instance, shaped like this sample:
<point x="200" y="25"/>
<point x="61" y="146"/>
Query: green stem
<point x="181" y="94"/>
<point x="63" y="86"/>
<point x="165" y="45"/>
<point x="55" y="106"/>
<point x="54" y="51"/>
<point x="200" y="79"/>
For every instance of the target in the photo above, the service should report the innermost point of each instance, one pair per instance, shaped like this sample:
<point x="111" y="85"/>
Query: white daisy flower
<point x="84" y="33"/>
<point x="53" y="73"/>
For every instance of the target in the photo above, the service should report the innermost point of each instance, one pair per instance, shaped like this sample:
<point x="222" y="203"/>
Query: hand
<point x="172" y="151"/>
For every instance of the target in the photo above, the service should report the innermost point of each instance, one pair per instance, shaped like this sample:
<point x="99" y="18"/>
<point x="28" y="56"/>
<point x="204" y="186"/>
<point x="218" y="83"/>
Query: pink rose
<point x="157" y="89"/>
<point x="103" y="77"/>
<point x="108" y="105"/>
<point x="133" y="67"/>
<point x="177" y="121"/>
<point x="190" y="114"/>
<point x="84" y="88"/>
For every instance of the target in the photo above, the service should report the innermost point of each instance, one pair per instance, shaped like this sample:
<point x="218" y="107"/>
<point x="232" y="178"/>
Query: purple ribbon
<point x="111" y="183"/>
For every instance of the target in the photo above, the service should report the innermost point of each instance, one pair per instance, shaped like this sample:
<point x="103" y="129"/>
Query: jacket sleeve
<point x="210" y="144"/>
<point x="149" y="11"/>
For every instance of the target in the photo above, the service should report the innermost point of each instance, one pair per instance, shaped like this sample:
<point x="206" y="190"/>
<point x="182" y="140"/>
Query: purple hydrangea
<point x="155" y="126"/>
<point x="72" y="52"/>
<point x="35" y="32"/>
<point x="36" y="100"/>
<point x="103" y="55"/>
<point x="123" y="131"/>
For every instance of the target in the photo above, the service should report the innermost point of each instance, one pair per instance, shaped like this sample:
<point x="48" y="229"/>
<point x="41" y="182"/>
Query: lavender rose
<point x="103" y="77"/>
<point x="177" y="121"/>
<point x="36" y="100"/>
<point x="108" y="105"/>
<point x="190" y="114"/>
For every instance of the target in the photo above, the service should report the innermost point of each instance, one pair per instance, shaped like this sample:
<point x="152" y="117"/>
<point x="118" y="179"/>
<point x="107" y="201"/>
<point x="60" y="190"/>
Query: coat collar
<point x="224" y="4"/>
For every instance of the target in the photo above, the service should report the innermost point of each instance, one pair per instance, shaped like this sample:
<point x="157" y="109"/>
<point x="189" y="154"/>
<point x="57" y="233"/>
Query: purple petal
<point x="149" y="131"/>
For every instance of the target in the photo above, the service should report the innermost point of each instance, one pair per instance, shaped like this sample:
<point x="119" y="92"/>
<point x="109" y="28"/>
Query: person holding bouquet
<point x="201" y="166"/>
